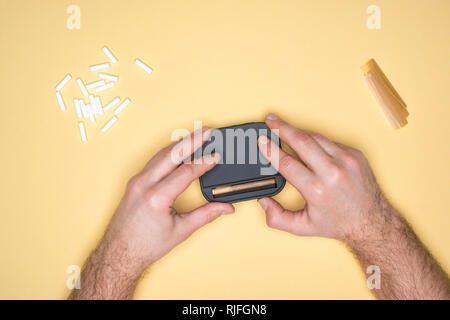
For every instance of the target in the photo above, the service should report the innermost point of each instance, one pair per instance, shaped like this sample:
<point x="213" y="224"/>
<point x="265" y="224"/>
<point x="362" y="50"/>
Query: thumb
<point x="279" y="218"/>
<point x="190" y="222"/>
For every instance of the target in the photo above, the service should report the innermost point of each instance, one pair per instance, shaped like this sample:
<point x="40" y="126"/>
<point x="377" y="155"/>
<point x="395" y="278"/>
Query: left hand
<point x="146" y="226"/>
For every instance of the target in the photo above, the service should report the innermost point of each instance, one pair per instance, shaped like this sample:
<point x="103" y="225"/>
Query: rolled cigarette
<point x="243" y="186"/>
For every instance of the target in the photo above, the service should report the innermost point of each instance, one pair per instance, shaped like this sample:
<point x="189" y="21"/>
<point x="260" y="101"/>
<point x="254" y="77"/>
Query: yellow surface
<point x="223" y="62"/>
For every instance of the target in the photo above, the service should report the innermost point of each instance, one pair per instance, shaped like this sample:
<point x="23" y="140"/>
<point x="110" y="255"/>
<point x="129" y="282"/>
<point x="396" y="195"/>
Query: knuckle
<point x="271" y="221"/>
<point x="350" y="160"/>
<point x="318" y="189"/>
<point x="187" y="170"/>
<point x="302" y="138"/>
<point x="153" y="198"/>
<point x="336" y="173"/>
<point x="359" y="154"/>
<point x="286" y="162"/>
<point x="136" y="184"/>
<point x="318" y="136"/>
<point x="208" y="217"/>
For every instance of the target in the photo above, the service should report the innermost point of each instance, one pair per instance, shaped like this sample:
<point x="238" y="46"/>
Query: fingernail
<point x="271" y="116"/>
<point x="262" y="203"/>
<point x="228" y="210"/>
<point x="263" y="140"/>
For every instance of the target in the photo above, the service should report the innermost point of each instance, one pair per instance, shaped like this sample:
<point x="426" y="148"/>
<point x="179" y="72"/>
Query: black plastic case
<point x="224" y="174"/>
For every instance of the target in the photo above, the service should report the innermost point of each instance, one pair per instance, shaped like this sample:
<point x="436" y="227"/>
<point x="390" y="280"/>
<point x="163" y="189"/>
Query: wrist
<point x="376" y="226"/>
<point x="119" y="259"/>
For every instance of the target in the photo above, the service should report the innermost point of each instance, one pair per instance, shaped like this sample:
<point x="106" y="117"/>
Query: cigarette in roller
<point x="107" y="76"/>
<point x="104" y="87"/>
<point x="143" y="66"/>
<point x="109" y="124"/>
<point x="62" y="106"/>
<point x="63" y="82"/>
<point x="100" y="66"/>
<point x="95" y="84"/>
<point x="109" y="54"/>
<point x="82" y="131"/>
<point x="243" y="186"/>
<point x="82" y="87"/>
<point x="122" y="106"/>
<point x="111" y="104"/>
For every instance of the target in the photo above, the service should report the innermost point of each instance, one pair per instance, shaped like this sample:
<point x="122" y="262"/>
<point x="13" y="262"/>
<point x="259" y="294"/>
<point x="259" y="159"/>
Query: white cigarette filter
<point x="84" y="109"/>
<point x="95" y="84"/>
<point x="100" y="66"/>
<point x="98" y="104"/>
<point x="109" y="124"/>
<point x="82" y="131"/>
<point x="82" y="87"/>
<point x="143" y="66"/>
<point x="107" y="76"/>
<point x="62" y="106"/>
<point x="111" y="104"/>
<point x="63" y="82"/>
<point x="109" y="54"/>
<point x="122" y="106"/>
<point x="90" y="109"/>
<point x="76" y="104"/>
<point x="104" y="87"/>
<point x="385" y="95"/>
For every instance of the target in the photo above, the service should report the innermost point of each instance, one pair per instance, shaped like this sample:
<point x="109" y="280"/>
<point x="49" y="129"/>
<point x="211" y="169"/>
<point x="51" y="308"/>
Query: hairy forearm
<point x="408" y="271"/>
<point x="109" y="273"/>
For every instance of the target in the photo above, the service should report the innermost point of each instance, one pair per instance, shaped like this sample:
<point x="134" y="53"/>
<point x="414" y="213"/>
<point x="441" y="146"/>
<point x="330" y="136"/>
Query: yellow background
<point x="223" y="62"/>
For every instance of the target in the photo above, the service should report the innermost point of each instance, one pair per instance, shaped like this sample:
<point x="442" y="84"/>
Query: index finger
<point x="291" y="169"/>
<point x="306" y="147"/>
<point x="169" y="158"/>
<point x="181" y="178"/>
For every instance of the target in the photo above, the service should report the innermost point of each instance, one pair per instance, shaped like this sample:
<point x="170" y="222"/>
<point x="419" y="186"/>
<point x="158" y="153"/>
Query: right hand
<point x="343" y="199"/>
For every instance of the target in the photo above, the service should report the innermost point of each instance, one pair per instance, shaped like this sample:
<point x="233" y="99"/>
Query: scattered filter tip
<point x="90" y="106"/>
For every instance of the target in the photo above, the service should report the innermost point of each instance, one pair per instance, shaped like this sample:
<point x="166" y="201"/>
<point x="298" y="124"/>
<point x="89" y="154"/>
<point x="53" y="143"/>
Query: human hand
<point x="343" y="200"/>
<point x="146" y="226"/>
